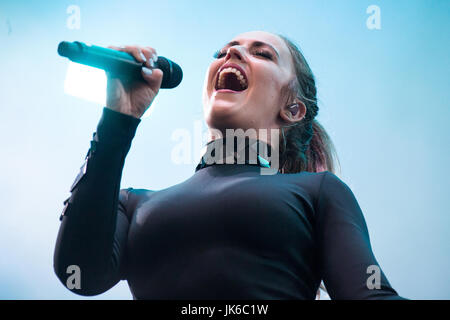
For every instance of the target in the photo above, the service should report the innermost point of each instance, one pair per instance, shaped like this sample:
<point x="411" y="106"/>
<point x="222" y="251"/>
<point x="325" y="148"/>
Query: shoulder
<point x="311" y="180"/>
<point x="330" y="182"/>
<point x="132" y="195"/>
<point x="333" y="186"/>
<point x="324" y="188"/>
<point x="314" y="183"/>
<point x="335" y="197"/>
<point x="306" y="185"/>
<point x="130" y="198"/>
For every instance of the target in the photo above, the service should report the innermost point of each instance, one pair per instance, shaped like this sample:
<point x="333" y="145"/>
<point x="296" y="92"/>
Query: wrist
<point x="126" y="110"/>
<point x="116" y="125"/>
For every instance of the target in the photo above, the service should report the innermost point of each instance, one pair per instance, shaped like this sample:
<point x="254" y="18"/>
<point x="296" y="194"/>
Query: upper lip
<point x="230" y="65"/>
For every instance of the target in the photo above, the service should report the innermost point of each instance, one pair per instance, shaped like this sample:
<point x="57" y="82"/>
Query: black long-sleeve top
<point x="227" y="232"/>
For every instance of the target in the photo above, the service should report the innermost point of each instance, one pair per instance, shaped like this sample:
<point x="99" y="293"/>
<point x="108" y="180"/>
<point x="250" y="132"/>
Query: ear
<point x="293" y="112"/>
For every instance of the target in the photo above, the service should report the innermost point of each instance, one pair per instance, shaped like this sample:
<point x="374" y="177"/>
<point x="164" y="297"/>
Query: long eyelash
<point x="264" y="54"/>
<point x="218" y="54"/>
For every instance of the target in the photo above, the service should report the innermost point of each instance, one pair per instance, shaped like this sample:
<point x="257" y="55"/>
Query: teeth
<point x="235" y="71"/>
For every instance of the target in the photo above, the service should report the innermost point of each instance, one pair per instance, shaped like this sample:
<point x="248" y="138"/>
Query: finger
<point x="137" y="54"/>
<point x="152" y="76"/>
<point x="135" y="51"/>
<point x="151" y="56"/>
<point x="146" y="55"/>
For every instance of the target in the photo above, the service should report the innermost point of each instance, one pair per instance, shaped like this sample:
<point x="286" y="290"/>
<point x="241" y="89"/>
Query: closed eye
<point x="218" y="54"/>
<point x="264" y="54"/>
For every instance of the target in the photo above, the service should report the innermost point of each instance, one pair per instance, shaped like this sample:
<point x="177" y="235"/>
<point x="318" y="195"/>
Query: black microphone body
<point x="118" y="63"/>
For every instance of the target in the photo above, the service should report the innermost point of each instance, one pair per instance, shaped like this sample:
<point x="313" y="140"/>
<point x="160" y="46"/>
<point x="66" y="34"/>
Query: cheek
<point x="212" y="70"/>
<point x="268" y="87"/>
<point x="207" y="82"/>
<point x="268" y="76"/>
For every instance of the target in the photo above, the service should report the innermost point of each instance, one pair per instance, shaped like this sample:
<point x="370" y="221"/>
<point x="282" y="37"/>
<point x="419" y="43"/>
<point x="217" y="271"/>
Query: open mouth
<point x="231" y="77"/>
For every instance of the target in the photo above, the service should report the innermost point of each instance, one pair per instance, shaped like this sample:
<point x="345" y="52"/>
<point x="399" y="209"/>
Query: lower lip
<point x="228" y="91"/>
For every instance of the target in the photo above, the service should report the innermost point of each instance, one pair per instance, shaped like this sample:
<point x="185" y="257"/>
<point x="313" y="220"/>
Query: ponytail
<point x="320" y="154"/>
<point x="306" y="146"/>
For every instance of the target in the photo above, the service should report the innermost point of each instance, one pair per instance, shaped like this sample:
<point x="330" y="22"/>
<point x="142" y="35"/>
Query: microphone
<point x="118" y="63"/>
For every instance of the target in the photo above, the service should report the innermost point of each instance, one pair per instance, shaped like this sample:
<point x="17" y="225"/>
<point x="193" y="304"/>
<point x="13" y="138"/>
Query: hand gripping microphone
<point x="118" y="63"/>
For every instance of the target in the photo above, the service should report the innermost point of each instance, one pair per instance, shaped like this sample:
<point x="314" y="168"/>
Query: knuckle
<point x="146" y="51"/>
<point x="129" y="49"/>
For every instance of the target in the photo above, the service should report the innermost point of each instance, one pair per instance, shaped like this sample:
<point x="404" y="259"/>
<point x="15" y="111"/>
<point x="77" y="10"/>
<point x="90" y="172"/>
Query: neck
<point x="235" y="141"/>
<point x="270" y="137"/>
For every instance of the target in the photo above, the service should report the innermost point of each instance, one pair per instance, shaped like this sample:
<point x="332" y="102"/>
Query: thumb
<point x="153" y="77"/>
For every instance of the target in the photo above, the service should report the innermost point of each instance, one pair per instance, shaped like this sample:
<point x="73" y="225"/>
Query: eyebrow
<point x="254" y="44"/>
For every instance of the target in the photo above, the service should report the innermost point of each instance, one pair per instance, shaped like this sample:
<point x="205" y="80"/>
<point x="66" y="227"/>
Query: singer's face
<point x="253" y="99"/>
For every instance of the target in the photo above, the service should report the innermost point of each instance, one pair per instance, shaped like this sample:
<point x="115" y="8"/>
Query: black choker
<point x="236" y="151"/>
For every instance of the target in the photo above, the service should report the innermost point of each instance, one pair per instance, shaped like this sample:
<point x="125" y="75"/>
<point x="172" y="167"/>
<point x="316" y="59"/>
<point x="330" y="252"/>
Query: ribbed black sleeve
<point x="346" y="255"/>
<point x="94" y="227"/>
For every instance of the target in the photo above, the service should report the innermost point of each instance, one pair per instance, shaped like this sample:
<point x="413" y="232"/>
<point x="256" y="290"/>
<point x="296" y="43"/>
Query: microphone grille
<point x="172" y="73"/>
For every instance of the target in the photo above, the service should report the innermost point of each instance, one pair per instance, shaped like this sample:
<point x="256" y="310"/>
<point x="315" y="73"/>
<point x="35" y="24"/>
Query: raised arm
<point x="349" y="267"/>
<point x="94" y="227"/>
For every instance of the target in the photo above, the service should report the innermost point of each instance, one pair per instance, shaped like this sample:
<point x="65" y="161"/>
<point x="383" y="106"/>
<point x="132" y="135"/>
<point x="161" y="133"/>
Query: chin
<point x="223" y="115"/>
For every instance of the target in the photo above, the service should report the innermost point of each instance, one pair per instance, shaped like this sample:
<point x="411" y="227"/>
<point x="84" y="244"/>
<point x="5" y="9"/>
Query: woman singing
<point x="230" y="231"/>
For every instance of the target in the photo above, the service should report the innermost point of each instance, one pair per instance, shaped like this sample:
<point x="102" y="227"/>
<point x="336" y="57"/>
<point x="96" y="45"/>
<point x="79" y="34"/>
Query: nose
<point x="235" y="52"/>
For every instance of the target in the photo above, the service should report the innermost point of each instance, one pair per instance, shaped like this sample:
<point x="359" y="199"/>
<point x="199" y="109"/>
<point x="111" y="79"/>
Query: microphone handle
<point x="118" y="63"/>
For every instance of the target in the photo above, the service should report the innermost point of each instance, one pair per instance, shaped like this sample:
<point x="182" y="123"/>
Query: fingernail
<point x="155" y="57"/>
<point x="152" y="63"/>
<point x="147" y="71"/>
<point x="143" y="57"/>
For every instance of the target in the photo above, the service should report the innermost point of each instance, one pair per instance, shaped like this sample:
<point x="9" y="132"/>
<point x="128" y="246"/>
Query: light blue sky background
<point x="384" y="98"/>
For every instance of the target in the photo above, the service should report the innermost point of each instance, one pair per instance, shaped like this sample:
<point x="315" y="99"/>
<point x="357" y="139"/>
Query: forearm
<point x="87" y="232"/>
